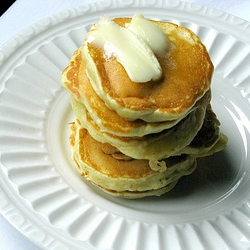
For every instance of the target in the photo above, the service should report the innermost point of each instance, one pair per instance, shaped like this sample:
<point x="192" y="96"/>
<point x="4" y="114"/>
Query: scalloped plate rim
<point x="8" y="50"/>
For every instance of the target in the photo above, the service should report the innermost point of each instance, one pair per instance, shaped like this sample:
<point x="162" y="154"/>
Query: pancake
<point x="124" y="178"/>
<point x="152" y="146"/>
<point x="106" y="119"/>
<point x="134" y="135"/>
<point x="209" y="139"/>
<point x="197" y="135"/>
<point x="187" y="72"/>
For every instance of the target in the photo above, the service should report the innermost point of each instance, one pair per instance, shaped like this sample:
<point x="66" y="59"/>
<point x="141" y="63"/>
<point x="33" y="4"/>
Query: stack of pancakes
<point x="136" y="139"/>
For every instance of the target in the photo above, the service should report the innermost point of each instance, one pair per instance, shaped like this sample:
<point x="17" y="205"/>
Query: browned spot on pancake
<point x="187" y="71"/>
<point x="71" y="74"/>
<point x="91" y="152"/>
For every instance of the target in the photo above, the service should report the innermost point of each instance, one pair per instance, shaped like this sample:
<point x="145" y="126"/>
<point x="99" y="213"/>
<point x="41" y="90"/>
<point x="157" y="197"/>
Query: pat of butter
<point x="136" y="52"/>
<point x="149" y="32"/>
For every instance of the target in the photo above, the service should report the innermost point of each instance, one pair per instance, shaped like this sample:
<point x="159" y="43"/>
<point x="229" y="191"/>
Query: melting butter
<point x="134" y="47"/>
<point x="149" y="32"/>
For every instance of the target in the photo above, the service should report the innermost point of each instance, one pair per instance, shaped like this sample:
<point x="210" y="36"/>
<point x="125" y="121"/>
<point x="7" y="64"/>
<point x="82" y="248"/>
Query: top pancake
<point x="187" y="72"/>
<point x="75" y="80"/>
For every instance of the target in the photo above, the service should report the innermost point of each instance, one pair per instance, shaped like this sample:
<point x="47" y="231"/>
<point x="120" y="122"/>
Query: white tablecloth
<point x="24" y="13"/>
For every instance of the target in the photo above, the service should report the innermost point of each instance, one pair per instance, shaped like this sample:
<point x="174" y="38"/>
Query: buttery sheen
<point x="149" y="32"/>
<point x="134" y="47"/>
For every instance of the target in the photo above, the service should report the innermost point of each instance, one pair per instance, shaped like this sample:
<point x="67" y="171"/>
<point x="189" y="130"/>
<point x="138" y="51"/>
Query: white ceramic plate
<point x="43" y="196"/>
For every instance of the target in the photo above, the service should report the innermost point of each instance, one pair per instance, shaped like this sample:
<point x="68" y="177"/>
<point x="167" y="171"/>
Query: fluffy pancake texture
<point x="187" y="71"/>
<point x="107" y="119"/>
<point x="130" y="178"/>
<point x="137" y="139"/>
<point x="151" y="146"/>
